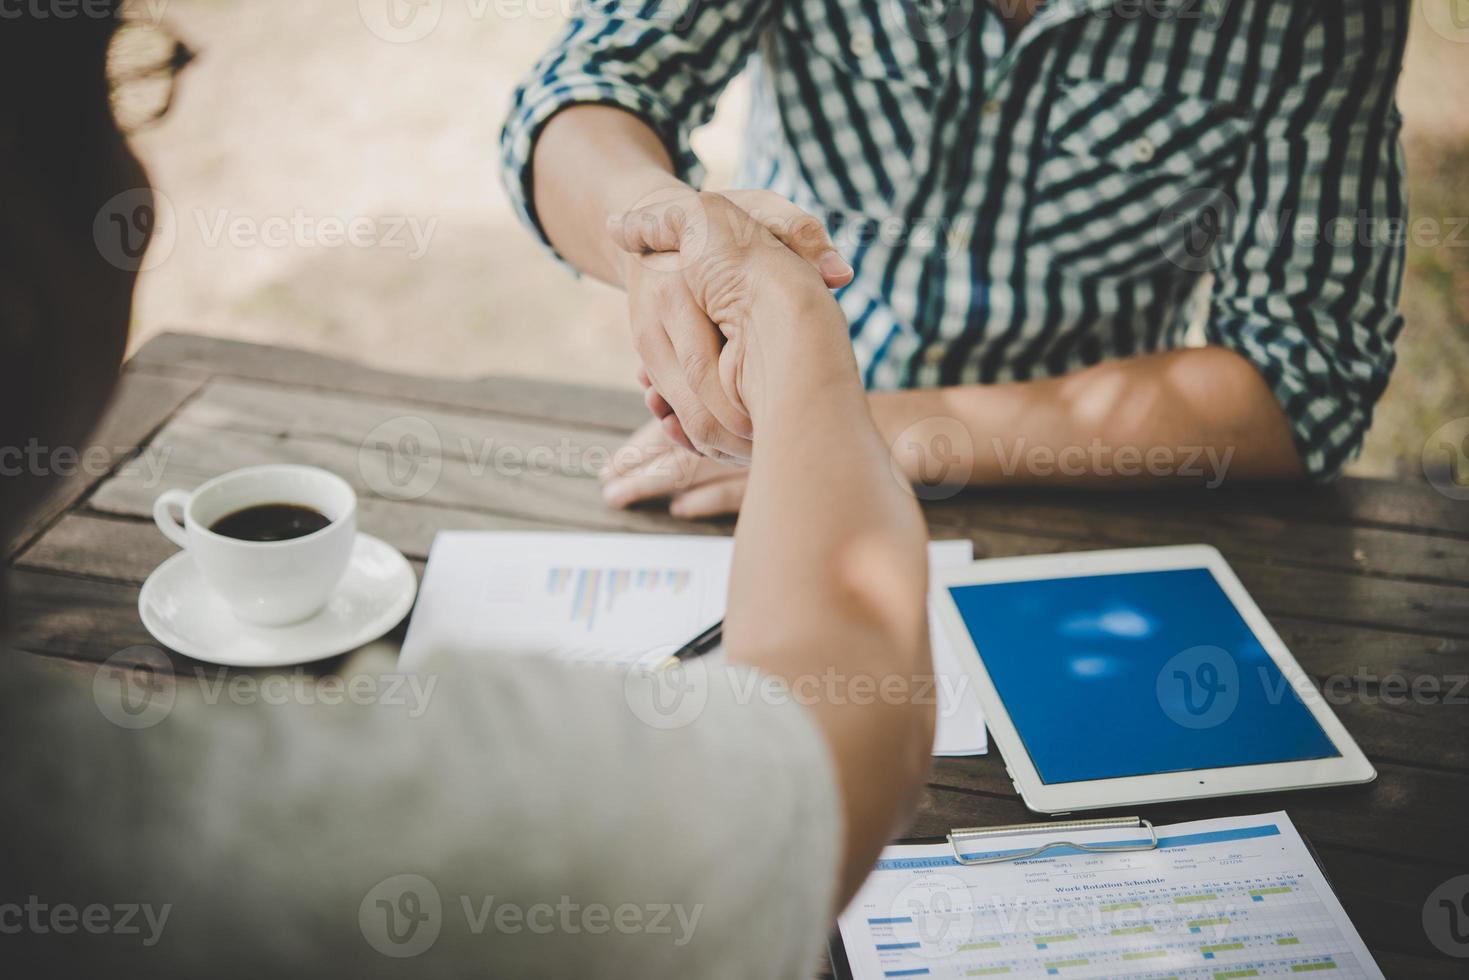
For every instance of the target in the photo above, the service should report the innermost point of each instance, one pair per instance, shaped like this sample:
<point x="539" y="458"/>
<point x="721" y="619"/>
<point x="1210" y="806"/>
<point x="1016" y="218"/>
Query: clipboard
<point x="959" y="837"/>
<point x="964" y="842"/>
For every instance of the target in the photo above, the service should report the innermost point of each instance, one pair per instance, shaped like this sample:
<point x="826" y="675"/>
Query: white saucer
<point x="185" y="615"/>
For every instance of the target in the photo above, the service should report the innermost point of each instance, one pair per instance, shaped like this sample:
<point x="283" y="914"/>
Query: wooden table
<point x="1367" y="581"/>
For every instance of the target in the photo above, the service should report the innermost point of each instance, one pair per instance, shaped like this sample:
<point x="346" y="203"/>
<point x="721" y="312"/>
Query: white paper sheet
<point x="617" y="598"/>
<point x="1232" y="897"/>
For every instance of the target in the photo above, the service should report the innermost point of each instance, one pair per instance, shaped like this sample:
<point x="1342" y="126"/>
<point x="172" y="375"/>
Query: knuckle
<point x="806" y="230"/>
<point x="696" y="365"/>
<point x="702" y="429"/>
<point x="730" y="290"/>
<point x="643" y="346"/>
<point x="664" y="289"/>
<point x="660" y="470"/>
<point x="666" y="227"/>
<point x="639" y="227"/>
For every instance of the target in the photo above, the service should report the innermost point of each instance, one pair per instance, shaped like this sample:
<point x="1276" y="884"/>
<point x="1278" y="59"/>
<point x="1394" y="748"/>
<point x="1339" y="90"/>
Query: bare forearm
<point x="592" y="161"/>
<point x="850" y="543"/>
<point x="1189" y="417"/>
<point x="828" y="591"/>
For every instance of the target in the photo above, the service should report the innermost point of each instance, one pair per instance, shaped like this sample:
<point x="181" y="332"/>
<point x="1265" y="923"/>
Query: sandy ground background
<point x="298" y="112"/>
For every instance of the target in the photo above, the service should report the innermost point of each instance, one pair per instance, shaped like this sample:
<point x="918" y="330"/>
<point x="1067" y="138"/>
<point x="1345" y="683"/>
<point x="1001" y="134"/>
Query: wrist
<point x="633" y="189"/>
<point x="797" y="355"/>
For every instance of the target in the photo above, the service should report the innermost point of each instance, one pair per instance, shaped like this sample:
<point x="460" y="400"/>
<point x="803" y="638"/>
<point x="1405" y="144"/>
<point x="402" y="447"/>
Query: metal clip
<point x="972" y="834"/>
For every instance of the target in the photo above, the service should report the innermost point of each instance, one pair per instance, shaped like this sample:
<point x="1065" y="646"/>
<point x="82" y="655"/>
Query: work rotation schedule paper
<point x="619" y="599"/>
<point x="1218" y="899"/>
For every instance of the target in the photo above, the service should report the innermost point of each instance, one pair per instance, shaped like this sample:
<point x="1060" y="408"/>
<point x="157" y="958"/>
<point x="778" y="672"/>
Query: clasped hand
<point x="694" y="267"/>
<point x="687" y="269"/>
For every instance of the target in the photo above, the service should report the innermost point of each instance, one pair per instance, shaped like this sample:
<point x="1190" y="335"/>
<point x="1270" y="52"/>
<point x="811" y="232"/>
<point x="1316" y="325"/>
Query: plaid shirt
<point x="1021" y="207"/>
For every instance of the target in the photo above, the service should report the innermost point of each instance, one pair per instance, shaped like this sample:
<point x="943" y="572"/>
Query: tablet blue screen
<point x="1135" y="673"/>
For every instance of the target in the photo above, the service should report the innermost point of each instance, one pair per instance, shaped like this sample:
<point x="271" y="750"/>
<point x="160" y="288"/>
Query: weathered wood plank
<point x="72" y="617"/>
<point x="1418" y="607"/>
<point x="88" y="544"/>
<point x="1396" y="964"/>
<point x="1388" y="503"/>
<point x="92" y="547"/>
<point x="1384" y="897"/>
<point x="1346" y="503"/>
<point x="378" y="422"/>
<point x="1265" y="535"/>
<point x="139" y="406"/>
<point x="1357" y="659"/>
<point x="211" y="357"/>
<point x="568" y="496"/>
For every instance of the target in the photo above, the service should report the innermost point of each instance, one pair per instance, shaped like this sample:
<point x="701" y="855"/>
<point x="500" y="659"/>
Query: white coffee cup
<point x="267" y="583"/>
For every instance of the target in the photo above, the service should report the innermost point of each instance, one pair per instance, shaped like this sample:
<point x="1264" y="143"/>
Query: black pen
<point x="698" y="646"/>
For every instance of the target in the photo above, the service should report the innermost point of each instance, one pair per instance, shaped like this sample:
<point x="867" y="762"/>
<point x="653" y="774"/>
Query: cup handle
<point x="163" y="515"/>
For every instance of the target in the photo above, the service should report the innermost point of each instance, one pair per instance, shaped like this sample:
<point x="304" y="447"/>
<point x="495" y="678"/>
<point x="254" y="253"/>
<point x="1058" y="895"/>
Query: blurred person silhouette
<point x="300" y="839"/>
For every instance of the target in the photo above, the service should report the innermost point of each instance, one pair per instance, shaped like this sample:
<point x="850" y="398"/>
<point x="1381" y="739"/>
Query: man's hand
<point x="691" y="368"/>
<point x="653" y="467"/>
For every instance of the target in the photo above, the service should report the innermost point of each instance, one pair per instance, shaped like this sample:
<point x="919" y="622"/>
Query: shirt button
<point x="862" y="45"/>
<point x="991" y="108"/>
<point x="934" y="355"/>
<point x="1144" y="150"/>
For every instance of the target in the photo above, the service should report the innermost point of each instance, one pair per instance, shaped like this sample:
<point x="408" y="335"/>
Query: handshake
<point x="731" y="312"/>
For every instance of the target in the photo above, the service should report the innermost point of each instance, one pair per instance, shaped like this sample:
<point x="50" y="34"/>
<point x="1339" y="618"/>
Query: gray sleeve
<point x="500" y="817"/>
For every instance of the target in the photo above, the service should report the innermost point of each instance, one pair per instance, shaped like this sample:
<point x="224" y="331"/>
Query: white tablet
<point x="1117" y="678"/>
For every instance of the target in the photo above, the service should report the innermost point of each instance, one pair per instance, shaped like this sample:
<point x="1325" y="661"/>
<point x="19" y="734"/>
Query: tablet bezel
<point x="1350" y="768"/>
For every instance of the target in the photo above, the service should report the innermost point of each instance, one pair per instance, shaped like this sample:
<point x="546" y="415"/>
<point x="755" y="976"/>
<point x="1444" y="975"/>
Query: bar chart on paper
<point x="609" y="598"/>
<point x="1241" y="898"/>
<point x="594" y="593"/>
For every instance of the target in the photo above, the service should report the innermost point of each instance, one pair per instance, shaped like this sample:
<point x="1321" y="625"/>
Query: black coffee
<point x="270" y="522"/>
